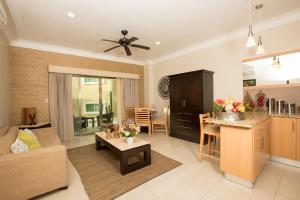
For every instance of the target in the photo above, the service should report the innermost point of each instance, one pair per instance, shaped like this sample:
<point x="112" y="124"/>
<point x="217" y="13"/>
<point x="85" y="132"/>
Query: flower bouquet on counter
<point x="229" y="109"/>
<point x="128" y="129"/>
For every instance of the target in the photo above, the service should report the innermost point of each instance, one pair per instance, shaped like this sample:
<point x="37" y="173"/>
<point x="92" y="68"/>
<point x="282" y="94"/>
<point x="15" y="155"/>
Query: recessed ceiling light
<point x="71" y="14"/>
<point x="157" y="42"/>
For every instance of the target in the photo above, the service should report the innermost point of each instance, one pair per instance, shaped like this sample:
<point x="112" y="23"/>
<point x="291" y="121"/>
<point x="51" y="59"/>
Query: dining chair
<point x="142" y="118"/>
<point x="161" y="125"/>
<point x="213" y="132"/>
<point x="129" y="113"/>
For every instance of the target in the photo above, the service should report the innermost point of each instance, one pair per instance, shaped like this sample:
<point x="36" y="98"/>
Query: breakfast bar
<point x="245" y="147"/>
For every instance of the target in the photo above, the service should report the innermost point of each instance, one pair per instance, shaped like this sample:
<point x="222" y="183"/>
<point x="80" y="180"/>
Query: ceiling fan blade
<point x="128" y="52"/>
<point x="140" y="46"/>
<point x="110" y="41"/>
<point x="111" y="48"/>
<point x="132" y="39"/>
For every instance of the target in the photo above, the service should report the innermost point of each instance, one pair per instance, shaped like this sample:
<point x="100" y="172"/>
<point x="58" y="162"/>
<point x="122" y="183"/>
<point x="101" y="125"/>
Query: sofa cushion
<point x="18" y="146"/>
<point x="47" y="136"/>
<point x="7" y="140"/>
<point x="30" y="140"/>
<point x="3" y="130"/>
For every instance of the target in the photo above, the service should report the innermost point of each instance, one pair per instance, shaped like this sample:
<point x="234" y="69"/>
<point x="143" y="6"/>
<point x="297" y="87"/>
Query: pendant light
<point x="276" y="62"/>
<point x="250" y="41"/>
<point x="260" y="49"/>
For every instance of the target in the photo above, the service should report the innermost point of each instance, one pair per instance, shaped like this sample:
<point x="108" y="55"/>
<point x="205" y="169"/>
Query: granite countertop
<point x="296" y="116"/>
<point x="251" y="121"/>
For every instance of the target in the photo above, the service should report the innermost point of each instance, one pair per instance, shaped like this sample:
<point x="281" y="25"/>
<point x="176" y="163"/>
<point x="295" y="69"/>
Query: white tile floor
<point x="195" y="179"/>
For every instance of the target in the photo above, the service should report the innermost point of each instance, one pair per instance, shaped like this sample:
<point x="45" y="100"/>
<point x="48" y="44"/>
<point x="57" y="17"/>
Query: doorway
<point x="94" y="104"/>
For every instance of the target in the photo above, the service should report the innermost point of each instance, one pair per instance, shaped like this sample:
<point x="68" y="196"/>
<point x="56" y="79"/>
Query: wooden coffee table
<point x="124" y="151"/>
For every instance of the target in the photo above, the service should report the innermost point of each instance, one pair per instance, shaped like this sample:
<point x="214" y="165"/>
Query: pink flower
<point x="220" y="101"/>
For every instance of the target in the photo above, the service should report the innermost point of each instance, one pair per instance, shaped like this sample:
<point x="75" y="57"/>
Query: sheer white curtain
<point x="128" y="95"/>
<point x="61" y="114"/>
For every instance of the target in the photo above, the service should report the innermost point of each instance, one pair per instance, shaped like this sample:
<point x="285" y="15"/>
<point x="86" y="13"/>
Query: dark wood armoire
<point x="191" y="93"/>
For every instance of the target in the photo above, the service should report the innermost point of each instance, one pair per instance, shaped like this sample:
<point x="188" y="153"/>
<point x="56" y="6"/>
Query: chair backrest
<point x="142" y="116"/>
<point x="129" y="113"/>
<point x="202" y="118"/>
<point x="147" y="106"/>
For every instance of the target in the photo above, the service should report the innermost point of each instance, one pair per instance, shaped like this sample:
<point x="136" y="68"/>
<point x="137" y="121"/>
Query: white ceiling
<point x="177" y="24"/>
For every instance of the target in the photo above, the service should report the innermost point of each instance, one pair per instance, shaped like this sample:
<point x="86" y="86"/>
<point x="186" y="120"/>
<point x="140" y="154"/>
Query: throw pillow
<point x="29" y="140"/>
<point x="18" y="146"/>
<point x="30" y="132"/>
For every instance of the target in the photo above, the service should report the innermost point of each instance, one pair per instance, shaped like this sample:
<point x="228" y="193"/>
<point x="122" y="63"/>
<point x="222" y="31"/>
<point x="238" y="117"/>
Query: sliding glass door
<point x="94" y="104"/>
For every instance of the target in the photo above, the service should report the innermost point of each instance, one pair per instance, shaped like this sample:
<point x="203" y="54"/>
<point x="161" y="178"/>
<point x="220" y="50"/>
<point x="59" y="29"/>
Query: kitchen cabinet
<point x="260" y="147"/>
<point x="191" y="94"/>
<point x="283" y="139"/>
<point x="298" y="139"/>
<point x="244" y="151"/>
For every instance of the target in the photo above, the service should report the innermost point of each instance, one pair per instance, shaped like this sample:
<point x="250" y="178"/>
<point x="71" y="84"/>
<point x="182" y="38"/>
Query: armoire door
<point x="193" y="99"/>
<point x="177" y="93"/>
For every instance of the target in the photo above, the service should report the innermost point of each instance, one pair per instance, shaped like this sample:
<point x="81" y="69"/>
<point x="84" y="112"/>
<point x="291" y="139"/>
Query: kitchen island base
<point x="238" y="180"/>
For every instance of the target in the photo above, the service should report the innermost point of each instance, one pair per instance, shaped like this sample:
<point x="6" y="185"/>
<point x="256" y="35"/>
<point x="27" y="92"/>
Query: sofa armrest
<point x="29" y="174"/>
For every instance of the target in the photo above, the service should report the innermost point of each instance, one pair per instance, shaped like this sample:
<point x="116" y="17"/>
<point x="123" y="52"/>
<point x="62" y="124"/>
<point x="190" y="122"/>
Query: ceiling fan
<point x="126" y="43"/>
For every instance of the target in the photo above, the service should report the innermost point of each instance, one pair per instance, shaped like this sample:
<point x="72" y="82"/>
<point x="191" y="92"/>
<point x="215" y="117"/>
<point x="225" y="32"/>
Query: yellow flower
<point x="229" y="100"/>
<point x="241" y="108"/>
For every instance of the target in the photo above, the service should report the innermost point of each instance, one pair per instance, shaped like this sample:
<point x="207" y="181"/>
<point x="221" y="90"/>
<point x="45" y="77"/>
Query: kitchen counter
<point x="296" y="116"/>
<point x="244" y="147"/>
<point x="250" y="121"/>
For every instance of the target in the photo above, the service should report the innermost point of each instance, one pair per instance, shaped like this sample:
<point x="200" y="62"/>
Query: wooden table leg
<point x="147" y="155"/>
<point x="124" y="163"/>
<point x="99" y="146"/>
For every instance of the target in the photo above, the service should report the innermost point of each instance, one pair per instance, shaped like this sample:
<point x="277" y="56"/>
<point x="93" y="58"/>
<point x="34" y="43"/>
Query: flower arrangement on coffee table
<point x="128" y="129"/>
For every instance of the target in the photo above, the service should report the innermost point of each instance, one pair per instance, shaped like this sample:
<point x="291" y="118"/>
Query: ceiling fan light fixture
<point x="157" y="42"/>
<point x="260" y="49"/>
<point x="250" y="41"/>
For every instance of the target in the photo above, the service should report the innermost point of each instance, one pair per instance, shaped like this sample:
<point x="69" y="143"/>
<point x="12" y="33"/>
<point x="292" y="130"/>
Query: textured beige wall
<point x="29" y="77"/>
<point x="224" y="59"/>
<point x="4" y="82"/>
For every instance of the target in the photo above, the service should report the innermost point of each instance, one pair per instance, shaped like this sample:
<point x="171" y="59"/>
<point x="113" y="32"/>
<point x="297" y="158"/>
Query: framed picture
<point x="249" y="82"/>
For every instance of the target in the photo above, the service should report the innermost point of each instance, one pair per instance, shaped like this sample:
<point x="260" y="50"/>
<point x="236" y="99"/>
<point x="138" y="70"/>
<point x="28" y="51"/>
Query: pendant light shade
<point x="250" y="41"/>
<point x="274" y="61"/>
<point x="278" y="63"/>
<point x="260" y="49"/>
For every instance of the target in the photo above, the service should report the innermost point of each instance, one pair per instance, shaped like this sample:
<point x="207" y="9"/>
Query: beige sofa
<point x="29" y="174"/>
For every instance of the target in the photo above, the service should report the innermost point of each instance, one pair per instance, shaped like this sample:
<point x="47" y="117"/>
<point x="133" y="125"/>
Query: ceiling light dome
<point x="71" y="14"/>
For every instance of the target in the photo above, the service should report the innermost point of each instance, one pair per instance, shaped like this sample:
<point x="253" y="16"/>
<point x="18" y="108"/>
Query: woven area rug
<point x="100" y="171"/>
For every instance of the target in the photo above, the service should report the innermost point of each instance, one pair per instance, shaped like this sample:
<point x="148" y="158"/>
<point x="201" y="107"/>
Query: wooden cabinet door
<point x="193" y="99"/>
<point x="298" y="139"/>
<point x="283" y="137"/>
<point x="268" y="138"/>
<point x="259" y="148"/>
<point x="177" y="92"/>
